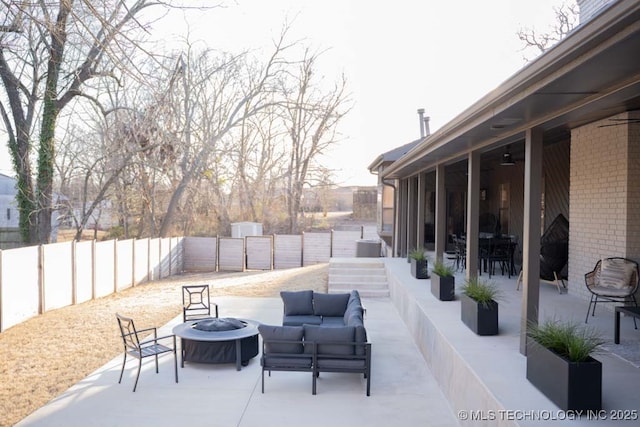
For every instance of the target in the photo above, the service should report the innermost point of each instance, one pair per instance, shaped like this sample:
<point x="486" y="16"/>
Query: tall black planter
<point x="419" y="269"/>
<point x="480" y="318"/>
<point x="442" y="287"/>
<point x="570" y="385"/>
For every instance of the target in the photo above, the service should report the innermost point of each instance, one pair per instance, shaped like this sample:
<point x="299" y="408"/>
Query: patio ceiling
<point x="594" y="73"/>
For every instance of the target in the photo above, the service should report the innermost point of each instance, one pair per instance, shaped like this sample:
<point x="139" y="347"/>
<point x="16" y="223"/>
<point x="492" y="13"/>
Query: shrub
<point x="481" y="291"/>
<point x="417" y="254"/>
<point x="567" y="339"/>
<point x="441" y="269"/>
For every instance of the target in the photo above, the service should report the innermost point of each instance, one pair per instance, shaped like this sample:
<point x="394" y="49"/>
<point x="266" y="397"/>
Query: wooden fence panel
<point x="259" y="252"/>
<point x="343" y="243"/>
<point x="165" y="260"/>
<point x="200" y="254"/>
<point x="287" y="251"/>
<point x="177" y="255"/>
<point x="19" y="282"/>
<point x="141" y="261"/>
<point x="105" y="262"/>
<point x="316" y="248"/>
<point x="370" y="232"/>
<point x="154" y="258"/>
<point x="84" y="271"/>
<point x="124" y="263"/>
<point x="231" y="254"/>
<point x="57" y="275"/>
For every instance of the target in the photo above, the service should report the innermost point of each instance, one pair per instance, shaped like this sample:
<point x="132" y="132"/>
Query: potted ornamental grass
<point x="479" y="306"/>
<point x="419" y="264"/>
<point x="560" y="364"/>
<point x="442" y="281"/>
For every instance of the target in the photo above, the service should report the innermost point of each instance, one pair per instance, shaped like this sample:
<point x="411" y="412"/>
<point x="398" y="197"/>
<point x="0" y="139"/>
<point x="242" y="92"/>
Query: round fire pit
<point x="218" y="340"/>
<point x="219" y="324"/>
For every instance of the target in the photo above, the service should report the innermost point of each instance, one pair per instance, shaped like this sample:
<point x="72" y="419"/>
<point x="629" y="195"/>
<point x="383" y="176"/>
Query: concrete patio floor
<point x="428" y="369"/>
<point x="403" y="391"/>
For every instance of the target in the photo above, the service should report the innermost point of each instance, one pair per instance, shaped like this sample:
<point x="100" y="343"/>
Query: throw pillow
<point x="286" y="333"/>
<point x="297" y="303"/>
<point x="615" y="273"/>
<point x="330" y="305"/>
<point x="319" y="334"/>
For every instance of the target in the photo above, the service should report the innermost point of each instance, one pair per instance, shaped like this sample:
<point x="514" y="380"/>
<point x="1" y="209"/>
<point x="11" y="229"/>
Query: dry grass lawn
<point x="44" y="356"/>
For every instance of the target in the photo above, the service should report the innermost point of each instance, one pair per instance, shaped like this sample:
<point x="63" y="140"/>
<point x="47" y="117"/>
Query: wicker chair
<point x="607" y="285"/>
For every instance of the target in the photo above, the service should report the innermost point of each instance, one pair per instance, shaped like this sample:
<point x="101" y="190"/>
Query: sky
<point x="439" y="55"/>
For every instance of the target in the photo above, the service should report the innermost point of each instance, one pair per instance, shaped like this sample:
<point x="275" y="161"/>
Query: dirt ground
<point x="43" y="356"/>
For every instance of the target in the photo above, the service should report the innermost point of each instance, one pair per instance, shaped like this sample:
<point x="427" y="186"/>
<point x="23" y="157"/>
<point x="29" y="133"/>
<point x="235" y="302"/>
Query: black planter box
<point x="419" y="269"/>
<point x="443" y="288"/>
<point x="480" y="318"/>
<point x="570" y="385"/>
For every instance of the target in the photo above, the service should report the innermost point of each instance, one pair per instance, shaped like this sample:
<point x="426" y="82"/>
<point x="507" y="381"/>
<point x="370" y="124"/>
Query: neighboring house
<point x="9" y="215"/>
<point x="561" y="136"/>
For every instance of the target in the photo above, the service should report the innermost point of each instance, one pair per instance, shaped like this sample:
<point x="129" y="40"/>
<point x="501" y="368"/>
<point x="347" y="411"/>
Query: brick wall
<point x="604" y="196"/>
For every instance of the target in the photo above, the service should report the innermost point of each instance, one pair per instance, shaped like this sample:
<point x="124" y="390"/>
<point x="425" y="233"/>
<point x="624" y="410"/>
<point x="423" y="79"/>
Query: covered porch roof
<point x="591" y="75"/>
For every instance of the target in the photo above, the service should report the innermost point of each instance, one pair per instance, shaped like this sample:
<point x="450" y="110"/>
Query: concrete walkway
<point x="403" y="390"/>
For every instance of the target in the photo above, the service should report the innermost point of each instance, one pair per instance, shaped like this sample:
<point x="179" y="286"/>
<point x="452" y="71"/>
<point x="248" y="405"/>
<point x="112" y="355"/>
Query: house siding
<point x="590" y="8"/>
<point x="604" y="194"/>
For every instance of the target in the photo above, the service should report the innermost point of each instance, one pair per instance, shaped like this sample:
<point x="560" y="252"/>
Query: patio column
<point x="401" y="218"/>
<point x="441" y="212"/>
<point x="531" y="233"/>
<point x="422" y="202"/>
<point x="412" y="212"/>
<point x="473" y="213"/>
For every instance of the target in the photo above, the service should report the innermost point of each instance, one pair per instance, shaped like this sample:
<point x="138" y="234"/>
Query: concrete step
<point x="361" y="278"/>
<point x="365" y="293"/>
<point x="351" y="271"/>
<point x="367" y="275"/>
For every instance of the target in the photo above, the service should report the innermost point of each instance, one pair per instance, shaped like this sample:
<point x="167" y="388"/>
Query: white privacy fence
<point x="37" y="279"/>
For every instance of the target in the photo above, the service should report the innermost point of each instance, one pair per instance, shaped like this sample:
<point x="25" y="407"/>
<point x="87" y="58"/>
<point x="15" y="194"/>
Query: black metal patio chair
<point x="141" y="349"/>
<point x="196" y="303"/>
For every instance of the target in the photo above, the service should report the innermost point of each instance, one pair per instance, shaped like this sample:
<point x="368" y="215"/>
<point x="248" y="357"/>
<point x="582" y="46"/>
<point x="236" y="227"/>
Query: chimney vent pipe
<point x="422" y="123"/>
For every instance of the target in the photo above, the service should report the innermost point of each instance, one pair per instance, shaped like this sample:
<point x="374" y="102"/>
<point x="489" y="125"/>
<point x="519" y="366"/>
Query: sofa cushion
<point x="319" y="334"/>
<point x="301" y="320"/>
<point x="297" y="303"/>
<point x="332" y="305"/>
<point x="333" y="322"/>
<point x="353" y="317"/>
<point x="287" y="333"/>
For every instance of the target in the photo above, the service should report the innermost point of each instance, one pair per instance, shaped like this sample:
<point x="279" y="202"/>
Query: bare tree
<point x="218" y="95"/>
<point x="538" y="42"/>
<point x="49" y="51"/>
<point x="311" y="117"/>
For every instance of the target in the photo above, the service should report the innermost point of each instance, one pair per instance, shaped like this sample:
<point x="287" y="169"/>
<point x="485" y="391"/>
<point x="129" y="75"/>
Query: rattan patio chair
<point x="612" y="280"/>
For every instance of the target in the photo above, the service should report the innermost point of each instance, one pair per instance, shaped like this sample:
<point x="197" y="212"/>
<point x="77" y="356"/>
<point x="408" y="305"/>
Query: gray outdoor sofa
<point x="320" y="333"/>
